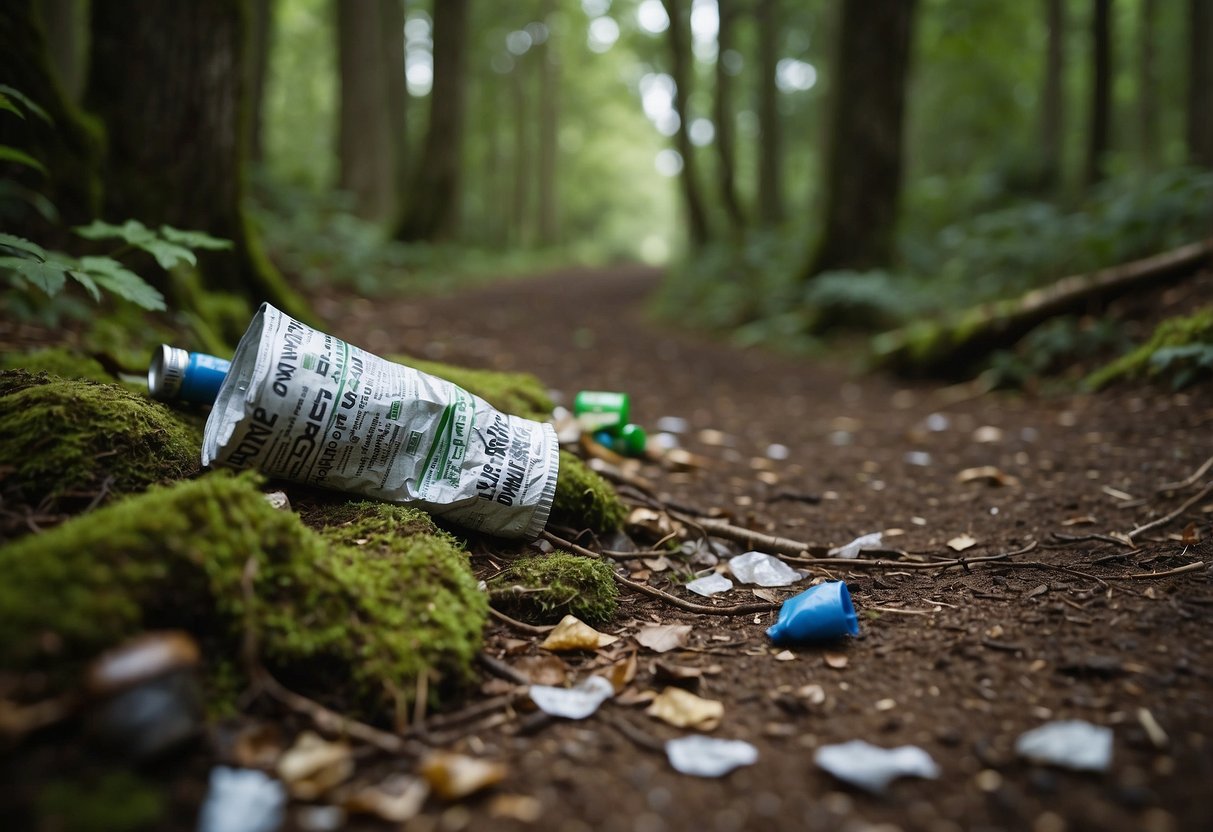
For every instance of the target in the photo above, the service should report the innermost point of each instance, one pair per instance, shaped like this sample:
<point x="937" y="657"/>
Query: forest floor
<point x="960" y="662"/>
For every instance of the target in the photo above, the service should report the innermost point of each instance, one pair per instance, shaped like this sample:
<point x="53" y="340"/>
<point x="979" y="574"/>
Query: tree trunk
<point x="69" y="148"/>
<point x="1200" y="83"/>
<point x="1098" y="140"/>
<point x="770" y="152"/>
<point x="1053" y="99"/>
<point x="863" y="158"/>
<point x="549" y="110"/>
<point x="1147" y="84"/>
<point x="176" y="132"/>
<point x="521" y="219"/>
<point x="65" y="23"/>
<point x="681" y="69"/>
<point x="433" y="209"/>
<point x="260" y="22"/>
<point x="726" y="153"/>
<point x="392" y="16"/>
<point x="364" y="140"/>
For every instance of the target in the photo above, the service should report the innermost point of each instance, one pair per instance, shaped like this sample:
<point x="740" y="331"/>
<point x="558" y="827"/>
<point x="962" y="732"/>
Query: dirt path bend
<point x="959" y="662"/>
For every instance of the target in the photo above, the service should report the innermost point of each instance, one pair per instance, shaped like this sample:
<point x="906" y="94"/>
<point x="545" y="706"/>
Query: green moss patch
<point x="520" y="394"/>
<point x="362" y="617"/>
<point x="57" y="361"/>
<point x="584" y="500"/>
<point x="115" y="801"/>
<point x="68" y="437"/>
<point x="542" y="589"/>
<point x="1180" y="347"/>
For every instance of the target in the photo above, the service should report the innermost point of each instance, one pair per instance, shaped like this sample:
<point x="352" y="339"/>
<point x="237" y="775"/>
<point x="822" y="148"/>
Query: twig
<point x="1188" y="481"/>
<point x="748" y="537"/>
<point x="1167" y="518"/>
<point x="900" y="611"/>
<point x="691" y="606"/>
<point x="533" y="629"/>
<point x="1179" y="570"/>
<point x="501" y="670"/>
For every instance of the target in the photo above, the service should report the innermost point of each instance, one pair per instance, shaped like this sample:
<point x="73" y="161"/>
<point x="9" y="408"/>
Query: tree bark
<point x="726" y="152"/>
<point x="392" y="15"/>
<point x="1147" y="84"/>
<point x="681" y="70"/>
<point x="260" y="24"/>
<point x="364" y="140"/>
<point x="521" y="212"/>
<point x="433" y="209"/>
<point x="1098" y="139"/>
<point x="1052" y="98"/>
<point x="863" y="160"/>
<point x="770" y="154"/>
<point x="69" y="148"/>
<point x="65" y="23"/>
<point x="176" y="133"/>
<point x="1200" y="83"/>
<point x="549" y="113"/>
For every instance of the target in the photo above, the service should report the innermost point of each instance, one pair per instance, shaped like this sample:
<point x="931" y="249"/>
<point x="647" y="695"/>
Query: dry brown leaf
<point x="258" y="745"/>
<point x="654" y="524"/>
<point x="397" y="799"/>
<point x="766" y="595"/>
<point x="676" y="674"/>
<point x="520" y="807"/>
<point x="635" y="697"/>
<point x="313" y="765"/>
<point x="683" y="709"/>
<point x="1190" y="536"/>
<point x="836" y="660"/>
<point x="621" y="673"/>
<point x="544" y="669"/>
<point x="454" y="776"/>
<point x="962" y="542"/>
<point x="813" y="694"/>
<point x="988" y="474"/>
<point x="574" y="634"/>
<point x="661" y="638"/>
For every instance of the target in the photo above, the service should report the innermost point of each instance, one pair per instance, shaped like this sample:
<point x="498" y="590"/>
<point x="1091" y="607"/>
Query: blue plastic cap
<point x="820" y="613"/>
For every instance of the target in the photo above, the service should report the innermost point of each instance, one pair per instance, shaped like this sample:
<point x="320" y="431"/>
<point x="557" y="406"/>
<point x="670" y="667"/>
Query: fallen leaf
<point x="988" y="474"/>
<point x="785" y="656"/>
<point x="657" y="564"/>
<point x="813" y="694"/>
<point x="1037" y="590"/>
<point x="543" y="669"/>
<point x="258" y="746"/>
<point x="622" y="672"/>
<point x="987" y="434"/>
<point x="683" y="709"/>
<point x="676" y="674"/>
<point x="1190" y="536"/>
<point x="397" y="799"/>
<point x="313" y="765"/>
<point x="962" y="542"/>
<point x="766" y="595"/>
<point x="574" y="634"/>
<point x="662" y="638"/>
<point x="453" y="776"/>
<point x="836" y="660"/>
<point x="520" y="807"/>
<point x="654" y="524"/>
<point x="635" y="697"/>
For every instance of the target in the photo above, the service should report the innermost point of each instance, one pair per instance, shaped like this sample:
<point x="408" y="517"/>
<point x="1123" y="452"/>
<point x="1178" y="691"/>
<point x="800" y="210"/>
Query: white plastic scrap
<point x="852" y="549"/>
<point x="242" y="800"/>
<point x="710" y="584"/>
<point x="871" y="767"/>
<point x="703" y="756"/>
<point x="1069" y="743"/>
<point x="762" y="569"/>
<point x="576" y="702"/>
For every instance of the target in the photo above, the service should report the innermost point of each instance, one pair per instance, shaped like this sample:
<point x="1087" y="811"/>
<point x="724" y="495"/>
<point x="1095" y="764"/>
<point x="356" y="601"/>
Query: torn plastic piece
<point x="303" y="406"/>
<point x="1073" y="744"/>
<point x="242" y="800"/>
<point x="852" y="549"/>
<point x="710" y="585"/>
<point x="703" y="756"/>
<point x="576" y="702"/>
<point x="175" y="374"/>
<point x="820" y="613"/>
<point x="871" y="767"/>
<point x="763" y="570"/>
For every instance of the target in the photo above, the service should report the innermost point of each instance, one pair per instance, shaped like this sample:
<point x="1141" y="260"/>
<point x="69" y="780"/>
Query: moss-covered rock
<point x="584" y="500"/>
<point x="542" y="589"/>
<point x="61" y="436"/>
<point x="57" y="361"/>
<point x="1186" y="342"/>
<point x="361" y="616"/>
<point x="520" y="394"/>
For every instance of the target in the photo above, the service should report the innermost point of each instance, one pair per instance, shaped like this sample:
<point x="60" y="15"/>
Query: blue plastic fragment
<point x="820" y="613"/>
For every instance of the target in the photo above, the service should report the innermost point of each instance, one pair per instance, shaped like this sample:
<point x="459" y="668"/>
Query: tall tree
<point x="723" y="115"/>
<point x="1200" y="83"/>
<point x="432" y="212"/>
<point x="523" y="178"/>
<point x="681" y="70"/>
<point x="863" y="160"/>
<point x="364" y="141"/>
<point x="1147" y="83"/>
<point x="549" y="113"/>
<point x="770" y="153"/>
<point x="167" y="78"/>
<point x="66" y="25"/>
<point x="261" y="15"/>
<point x="1099" y="133"/>
<point x="1052" y="98"/>
<point x="392" y="15"/>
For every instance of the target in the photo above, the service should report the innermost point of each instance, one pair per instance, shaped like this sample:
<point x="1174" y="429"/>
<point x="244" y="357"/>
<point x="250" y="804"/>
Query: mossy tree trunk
<point x="770" y="156"/>
<point x="70" y="148"/>
<point x="261" y="22"/>
<point x="682" y="69"/>
<point x="1052" y="99"/>
<point x="1200" y="83"/>
<point x="863" y="159"/>
<point x="168" y="78"/>
<point x="726" y="148"/>
<point x="1099" y="133"/>
<point x="364" y="135"/>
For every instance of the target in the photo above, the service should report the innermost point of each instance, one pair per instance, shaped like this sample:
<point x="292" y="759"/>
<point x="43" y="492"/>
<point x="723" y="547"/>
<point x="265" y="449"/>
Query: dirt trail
<point x="959" y="662"/>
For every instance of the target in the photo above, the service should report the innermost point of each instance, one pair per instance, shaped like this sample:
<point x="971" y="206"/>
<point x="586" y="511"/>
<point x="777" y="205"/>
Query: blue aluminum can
<point x="177" y="375"/>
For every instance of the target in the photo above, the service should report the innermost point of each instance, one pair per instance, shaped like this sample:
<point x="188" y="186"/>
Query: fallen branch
<point x="1188" y="481"/>
<point x="533" y="629"/>
<point x="1167" y="518"/>
<point x="1179" y="570"/>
